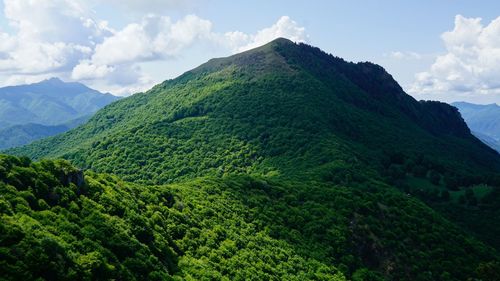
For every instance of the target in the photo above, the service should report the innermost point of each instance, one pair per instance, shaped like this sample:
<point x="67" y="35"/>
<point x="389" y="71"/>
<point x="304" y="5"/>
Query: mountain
<point x="217" y="119"/>
<point x="30" y="112"/>
<point x="50" y="102"/>
<point x="19" y="135"/>
<point x="279" y="163"/>
<point x="484" y="121"/>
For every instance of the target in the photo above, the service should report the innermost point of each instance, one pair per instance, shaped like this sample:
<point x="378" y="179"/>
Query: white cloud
<point x="50" y="21"/>
<point x="284" y="27"/>
<point x="86" y="70"/>
<point x="50" y="36"/>
<point x="155" y="38"/>
<point x="128" y="45"/>
<point x="151" y="6"/>
<point x="399" y="55"/>
<point x="41" y="57"/>
<point x="469" y="68"/>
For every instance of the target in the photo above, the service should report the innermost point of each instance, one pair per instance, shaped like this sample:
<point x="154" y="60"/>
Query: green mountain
<point x="484" y="121"/>
<point x="280" y="163"/>
<point x="282" y="109"/>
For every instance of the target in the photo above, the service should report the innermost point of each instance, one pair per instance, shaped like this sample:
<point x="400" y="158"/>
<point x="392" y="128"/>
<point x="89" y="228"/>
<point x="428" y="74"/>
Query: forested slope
<point x="59" y="224"/>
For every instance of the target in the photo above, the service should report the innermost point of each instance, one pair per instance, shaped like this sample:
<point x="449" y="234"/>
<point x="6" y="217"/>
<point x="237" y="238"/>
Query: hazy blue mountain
<point x="50" y="102"/>
<point x="31" y="112"/>
<point x="18" y="135"/>
<point x="483" y="120"/>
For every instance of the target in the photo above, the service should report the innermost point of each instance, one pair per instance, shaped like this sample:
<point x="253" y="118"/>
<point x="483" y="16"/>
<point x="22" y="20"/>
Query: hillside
<point x="59" y="224"/>
<point x="484" y="121"/>
<point x="290" y="163"/>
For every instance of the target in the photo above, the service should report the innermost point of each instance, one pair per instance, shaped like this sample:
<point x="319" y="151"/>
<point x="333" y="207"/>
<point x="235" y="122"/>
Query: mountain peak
<point x="48" y="102"/>
<point x="370" y="86"/>
<point x="281" y="41"/>
<point x="53" y="81"/>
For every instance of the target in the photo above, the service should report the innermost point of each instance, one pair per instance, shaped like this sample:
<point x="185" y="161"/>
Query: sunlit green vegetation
<point x="57" y="225"/>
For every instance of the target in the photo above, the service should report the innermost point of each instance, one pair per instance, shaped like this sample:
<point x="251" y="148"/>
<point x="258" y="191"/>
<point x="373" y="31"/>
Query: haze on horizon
<point x="450" y="54"/>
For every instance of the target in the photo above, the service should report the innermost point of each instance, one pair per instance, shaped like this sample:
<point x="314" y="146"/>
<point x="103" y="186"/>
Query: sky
<point x="446" y="50"/>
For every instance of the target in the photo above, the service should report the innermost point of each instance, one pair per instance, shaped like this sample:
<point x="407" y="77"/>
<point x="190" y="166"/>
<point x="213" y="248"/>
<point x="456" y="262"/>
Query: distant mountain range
<point x="30" y="112"/>
<point x="483" y="120"/>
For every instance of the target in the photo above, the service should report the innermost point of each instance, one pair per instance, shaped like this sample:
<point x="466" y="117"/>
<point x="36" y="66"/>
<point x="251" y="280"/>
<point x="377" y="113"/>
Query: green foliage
<point x="55" y="226"/>
<point x="106" y="229"/>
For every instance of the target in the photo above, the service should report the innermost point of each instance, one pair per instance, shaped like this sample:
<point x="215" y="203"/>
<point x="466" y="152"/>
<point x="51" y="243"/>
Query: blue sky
<point x="97" y="43"/>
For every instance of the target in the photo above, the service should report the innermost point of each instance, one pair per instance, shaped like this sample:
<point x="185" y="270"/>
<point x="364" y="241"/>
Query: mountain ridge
<point x="36" y="102"/>
<point x="33" y="111"/>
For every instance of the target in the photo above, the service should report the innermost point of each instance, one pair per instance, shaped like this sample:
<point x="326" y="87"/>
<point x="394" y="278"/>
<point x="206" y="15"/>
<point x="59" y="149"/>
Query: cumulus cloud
<point x="470" y="66"/>
<point x="151" y="6"/>
<point x="60" y="37"/>
<point x="284" y="27"/>
<point x="399" y="55"/>
<point x="50" y="36"/>
<point x="155" y="38"/>
<point x="87" y="70"/>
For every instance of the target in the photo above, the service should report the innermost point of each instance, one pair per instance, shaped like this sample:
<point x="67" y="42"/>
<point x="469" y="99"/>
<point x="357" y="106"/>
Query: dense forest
<point x="280" y="163"/>
<point x="61" y="224"/>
